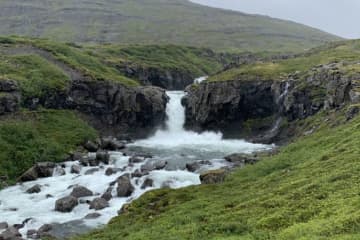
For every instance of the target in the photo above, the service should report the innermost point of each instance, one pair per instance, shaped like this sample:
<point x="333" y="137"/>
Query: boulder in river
<point x="147" y="183"/>
<point x="66" y="204"/>
<point x="92" y="216"/>
<point x="3" y="225"/>
<point x="91" y="171"/>
<point x="108" y="194"/>
<point x="80" y="191"/>
<point x="39" y="170"/>
<point x="136" y="159"/>
<point x="193" y="167"/>
<point x="213" y="176"/>
<point x="124" y="188"/>
<point x="103" y="156"/>
<point x="32" y="234"/>
<point x="240" y="159"/>
<point x="91" y="146"/>
<point x="10" y="233"/>
<point x="110" y="171"/>
<point x="34" y="189"/>
<point x="75" y="169"/>
<point x="112" y="144"/>
<point x="98" y="204"/>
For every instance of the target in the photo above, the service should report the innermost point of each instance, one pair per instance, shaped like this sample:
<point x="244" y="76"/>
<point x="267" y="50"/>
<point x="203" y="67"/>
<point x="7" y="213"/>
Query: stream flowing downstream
<point x="173" y="144"/>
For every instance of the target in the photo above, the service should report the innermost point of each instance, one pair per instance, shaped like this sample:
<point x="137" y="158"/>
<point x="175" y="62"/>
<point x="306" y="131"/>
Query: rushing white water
<point x="40" y="208"/>
<point x="173" y="144"/>
<point x="175" y="137"/>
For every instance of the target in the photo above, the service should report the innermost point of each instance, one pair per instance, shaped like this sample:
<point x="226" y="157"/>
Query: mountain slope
<point x="154" y="21"/>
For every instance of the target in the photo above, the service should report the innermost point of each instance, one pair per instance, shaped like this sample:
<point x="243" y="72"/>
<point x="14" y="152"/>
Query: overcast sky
<point x="340" y="17"/>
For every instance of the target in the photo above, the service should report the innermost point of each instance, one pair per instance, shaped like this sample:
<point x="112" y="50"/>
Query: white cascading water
<point x="174" y="145"/>
<point x="176" y="137"/>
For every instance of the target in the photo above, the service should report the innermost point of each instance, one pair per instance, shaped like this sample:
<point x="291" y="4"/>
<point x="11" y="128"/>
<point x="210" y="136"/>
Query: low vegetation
<point x="45" y="135"/>
<point x="347" y="51"/>
<point x="161" y="22"/>
<point x="309" y="190"/>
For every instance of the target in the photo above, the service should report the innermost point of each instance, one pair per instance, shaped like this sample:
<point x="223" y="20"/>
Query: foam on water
<point x="174" y="145"/>
<point x="175" y="136"/>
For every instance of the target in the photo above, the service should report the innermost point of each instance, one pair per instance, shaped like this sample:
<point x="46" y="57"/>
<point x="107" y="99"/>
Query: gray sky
<point x="340" y="17"/>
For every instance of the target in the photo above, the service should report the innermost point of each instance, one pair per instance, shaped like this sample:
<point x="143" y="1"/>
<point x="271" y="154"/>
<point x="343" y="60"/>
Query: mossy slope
<point x="46" y="135"/>
<point x="310" y="190"/>
<point x="347" y="51"/>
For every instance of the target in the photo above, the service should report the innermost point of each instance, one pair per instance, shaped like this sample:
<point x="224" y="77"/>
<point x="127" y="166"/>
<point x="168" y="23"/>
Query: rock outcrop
<point x="257" y="107"/>
<point x="10" y="97"/>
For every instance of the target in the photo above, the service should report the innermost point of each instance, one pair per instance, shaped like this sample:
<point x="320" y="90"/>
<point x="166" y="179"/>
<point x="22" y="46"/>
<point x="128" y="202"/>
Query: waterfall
<point x="175" y="112"/>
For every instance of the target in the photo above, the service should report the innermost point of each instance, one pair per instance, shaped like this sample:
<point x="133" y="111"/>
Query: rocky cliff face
<point x="110" y="107"/>
<point x="256" y="108"/>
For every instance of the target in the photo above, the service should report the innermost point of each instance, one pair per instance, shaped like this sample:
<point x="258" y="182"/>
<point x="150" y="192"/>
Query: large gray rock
<point x="34" y="189"/>
<point x="124" y="187"/>
<point x="11" y="233"/>
<point x="66" y="204"/>
<point x="80" y="191"/>
<point x="103" y="157"/>
<point x="39" y="170"/>
<point x="98" y="204"/>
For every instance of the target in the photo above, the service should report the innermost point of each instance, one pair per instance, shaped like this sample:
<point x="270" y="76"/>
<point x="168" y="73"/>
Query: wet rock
<point x="75" y="169"/>
<point x="150" y="166"/>
<point x="59" y="171"/>
<point x="193" y="167"/>
<point x="11" y="233"/>
<point x="108" y="194"/>
<point x="80" y="191"/>
<point x="147" y="183"/>
<point x="98" y="204"/>
<point x="39" y="170"/>
<point x="240" y="159"/>
<point x="34" y="189"/>
<point x="84" y="161"/>
<point x="138" y="173"/>
<point x="66" y="204"/>
<point x="91" y="146"/>
<point x="49" y="196"/>
<point x="91" y="171"/>
<point x="93" y="216"/>
<point x="214" y="176"/>
<point x="124" y="188"/>
<point x="3" y="225"/>
<point x="111" y="144"/>
<point x="136" y="159"/>
<point x="32" y="234"/>
<point x="103" y="156"/>
<point x="158" y="165"/>
<point x="110" y="171"/>
<point x="93" y="161"/>
<point x="77" y="156"/>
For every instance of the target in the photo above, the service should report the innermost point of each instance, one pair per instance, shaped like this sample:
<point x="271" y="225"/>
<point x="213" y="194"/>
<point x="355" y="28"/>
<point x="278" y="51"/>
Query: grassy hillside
<point x="155" y="22"/>
<point x="46" y="135"/>
<point x="41" y="66"/>
<point x="310" y="190"/>
<point x="346" y="51"/>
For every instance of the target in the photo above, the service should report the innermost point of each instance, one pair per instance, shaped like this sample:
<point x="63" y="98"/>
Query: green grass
<point x="310" y="190"/>
<point x="177" y="22"/>
<point x="190" y="60"/>
<point x="30" y="137"/>
<point x="36" y="76"/>
<point x="348" y="51"/>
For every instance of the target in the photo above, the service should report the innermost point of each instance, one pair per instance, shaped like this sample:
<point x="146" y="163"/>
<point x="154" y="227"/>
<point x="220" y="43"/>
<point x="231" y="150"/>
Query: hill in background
<point x="154" y="21"/>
